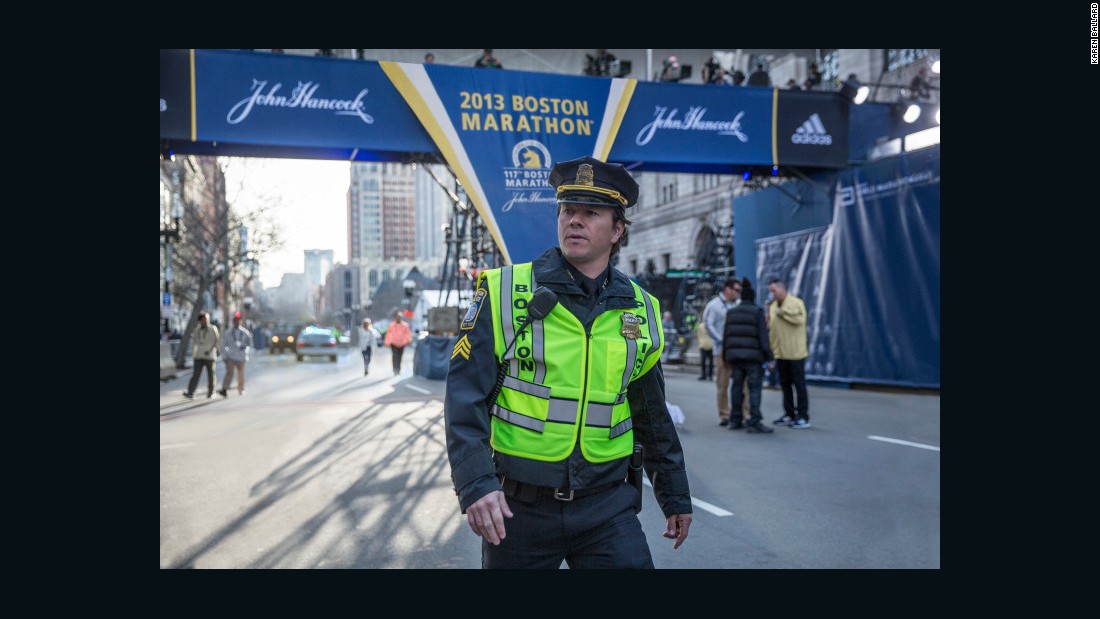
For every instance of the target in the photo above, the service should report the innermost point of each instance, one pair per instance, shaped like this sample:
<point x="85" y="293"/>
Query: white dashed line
<point x="703" y="505"/>
<point x="894" y="440"/>
<point x="415" y="388"/>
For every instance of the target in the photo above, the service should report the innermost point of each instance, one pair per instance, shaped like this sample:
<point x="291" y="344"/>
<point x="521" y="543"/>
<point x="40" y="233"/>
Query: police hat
<point x="591" y="181"/>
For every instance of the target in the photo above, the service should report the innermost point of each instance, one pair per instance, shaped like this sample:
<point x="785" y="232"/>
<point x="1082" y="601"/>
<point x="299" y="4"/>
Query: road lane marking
<point x="176" y="445"/>
<point x="703" y="505"/>
<point x="415" y="388"/>
<point x="894" y="440"/>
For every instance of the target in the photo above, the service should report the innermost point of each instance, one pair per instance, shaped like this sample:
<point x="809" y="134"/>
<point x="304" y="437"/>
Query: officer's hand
<point x="676" y="527"/>
<point x="486" y="516"/>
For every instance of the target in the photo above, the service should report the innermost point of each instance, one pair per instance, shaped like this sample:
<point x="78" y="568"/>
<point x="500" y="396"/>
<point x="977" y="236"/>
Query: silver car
<point x="316" y="342"/>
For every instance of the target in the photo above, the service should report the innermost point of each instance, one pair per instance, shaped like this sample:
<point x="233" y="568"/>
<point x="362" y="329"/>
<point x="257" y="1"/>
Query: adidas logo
<point x="812" y="132"/>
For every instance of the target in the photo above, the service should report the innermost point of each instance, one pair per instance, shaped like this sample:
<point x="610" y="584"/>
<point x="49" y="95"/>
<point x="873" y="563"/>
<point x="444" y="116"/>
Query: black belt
<point x="528" y="492"/>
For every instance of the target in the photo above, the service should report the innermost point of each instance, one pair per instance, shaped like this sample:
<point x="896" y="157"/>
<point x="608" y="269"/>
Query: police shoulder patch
<point x="470" y="318"/>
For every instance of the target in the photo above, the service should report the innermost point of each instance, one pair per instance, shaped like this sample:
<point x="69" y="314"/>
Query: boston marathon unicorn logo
<point x="529" y="175"/>
<point x="531" y="159"/>
<point x="533" y="153"/>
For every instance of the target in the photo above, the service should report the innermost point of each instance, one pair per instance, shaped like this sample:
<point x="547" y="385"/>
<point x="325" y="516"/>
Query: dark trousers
<point x="792" y="379"/>
<point x="198" y="367"/>
<point x="366" y="359"/>
<point x="706" y="363"/>
<point x="397" y="352"/>
<point x="753" y="373"/>
<point x="596" y="531"/>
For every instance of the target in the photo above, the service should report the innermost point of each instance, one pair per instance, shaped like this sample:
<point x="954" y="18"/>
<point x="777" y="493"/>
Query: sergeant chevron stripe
<point x="462" y="347"/>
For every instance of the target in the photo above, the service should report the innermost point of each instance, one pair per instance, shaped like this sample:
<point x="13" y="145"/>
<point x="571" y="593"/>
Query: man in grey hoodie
<point x="714" y="317"/>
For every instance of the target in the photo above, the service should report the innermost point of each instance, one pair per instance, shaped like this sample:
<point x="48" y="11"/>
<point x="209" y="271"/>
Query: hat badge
<point x="584" y="175"/>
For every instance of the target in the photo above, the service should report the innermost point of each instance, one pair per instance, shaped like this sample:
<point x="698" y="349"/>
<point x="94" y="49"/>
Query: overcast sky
<point x="313" y="212"/>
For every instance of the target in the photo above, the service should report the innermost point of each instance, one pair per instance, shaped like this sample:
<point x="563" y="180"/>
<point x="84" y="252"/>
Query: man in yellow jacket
<point x="787" y="326"/>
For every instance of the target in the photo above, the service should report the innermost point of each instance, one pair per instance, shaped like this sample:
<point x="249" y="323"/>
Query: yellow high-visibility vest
<point x="563" y="385"/>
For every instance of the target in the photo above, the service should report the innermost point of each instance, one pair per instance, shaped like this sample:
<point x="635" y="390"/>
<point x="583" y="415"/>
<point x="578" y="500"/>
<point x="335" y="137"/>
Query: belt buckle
<point x="562" y="497"/>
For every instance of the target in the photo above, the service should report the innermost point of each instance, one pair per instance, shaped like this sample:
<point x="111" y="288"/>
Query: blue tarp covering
<point x="871" y="278"/>
<point x="432" y="357"/>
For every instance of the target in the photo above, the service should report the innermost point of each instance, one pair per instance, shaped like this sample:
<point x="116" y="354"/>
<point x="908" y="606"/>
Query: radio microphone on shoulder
<point x="541" y="304"/>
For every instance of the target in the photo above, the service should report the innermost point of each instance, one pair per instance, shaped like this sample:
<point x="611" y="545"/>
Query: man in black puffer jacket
<point x="745" y="349"/>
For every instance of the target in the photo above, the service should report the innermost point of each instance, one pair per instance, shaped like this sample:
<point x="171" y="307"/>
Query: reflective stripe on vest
<point x="555" y="390"/>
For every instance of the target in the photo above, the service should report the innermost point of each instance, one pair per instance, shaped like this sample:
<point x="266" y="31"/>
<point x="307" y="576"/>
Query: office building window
<point x="830" y="69"/>
<point x="898" y="58"/>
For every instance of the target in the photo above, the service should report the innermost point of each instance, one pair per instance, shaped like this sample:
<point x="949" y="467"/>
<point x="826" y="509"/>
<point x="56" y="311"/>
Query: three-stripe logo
<point x="812" y="132"/>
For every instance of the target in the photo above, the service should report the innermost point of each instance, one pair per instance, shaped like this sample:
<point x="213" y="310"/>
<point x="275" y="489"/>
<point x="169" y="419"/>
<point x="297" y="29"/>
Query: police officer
<point x="543" y="411"/>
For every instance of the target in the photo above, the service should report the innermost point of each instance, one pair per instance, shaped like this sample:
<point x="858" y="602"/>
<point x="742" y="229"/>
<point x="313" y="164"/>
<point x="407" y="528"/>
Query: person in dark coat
<point x="745" y="347"/>
<point x="572" y="504"/>
<point x="760" y="77"/>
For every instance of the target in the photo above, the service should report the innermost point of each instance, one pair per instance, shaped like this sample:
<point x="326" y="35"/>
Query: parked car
<point x="316" y="342"/>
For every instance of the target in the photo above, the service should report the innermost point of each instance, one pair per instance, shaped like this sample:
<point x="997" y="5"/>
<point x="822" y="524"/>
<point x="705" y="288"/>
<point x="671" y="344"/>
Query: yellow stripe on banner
<point x="620" y="113"/>
<point x="775" y="130"/>
<point x="194" y="125"/>
<point x="420" y="107"/>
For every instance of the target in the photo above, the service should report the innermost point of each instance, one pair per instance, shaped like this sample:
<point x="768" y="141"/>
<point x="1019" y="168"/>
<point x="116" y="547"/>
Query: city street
<point x="319" y="466"/>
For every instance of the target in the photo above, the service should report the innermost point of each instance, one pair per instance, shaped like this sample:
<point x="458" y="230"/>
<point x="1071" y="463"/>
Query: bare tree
<point x="217" y="245"/>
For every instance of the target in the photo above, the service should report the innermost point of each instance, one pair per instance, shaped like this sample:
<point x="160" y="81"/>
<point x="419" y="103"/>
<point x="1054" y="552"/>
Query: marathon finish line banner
<point x="811" y="129"/>
<point x="684" y="123"/>
<point x="503" y="131"/>
<point x="284" y="100"/>
<point x="500" y="131"/>
<point x="870" y="280"/>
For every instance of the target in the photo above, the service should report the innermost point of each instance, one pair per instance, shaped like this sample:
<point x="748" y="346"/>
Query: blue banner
<point x="175" y="94"/>
<point x="500" y="131"/>
<point x="699" y="124"/>
<point x="247" y="98"/>
<point x="811" y="129"/>
<point x="503" y="131"/>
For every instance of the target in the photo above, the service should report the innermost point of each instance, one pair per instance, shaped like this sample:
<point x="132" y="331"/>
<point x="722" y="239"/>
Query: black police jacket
<point x="470" y="381"/>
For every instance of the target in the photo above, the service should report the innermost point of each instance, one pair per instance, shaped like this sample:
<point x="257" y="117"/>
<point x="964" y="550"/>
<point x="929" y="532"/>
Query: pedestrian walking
<point x="397" y="338"/>
<point x="706" y="351"/>
<point x="236" y="346"/>
<point x="204" y="354"/>
<point x="555" y="396"/>
<point x="369" y="337"/>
